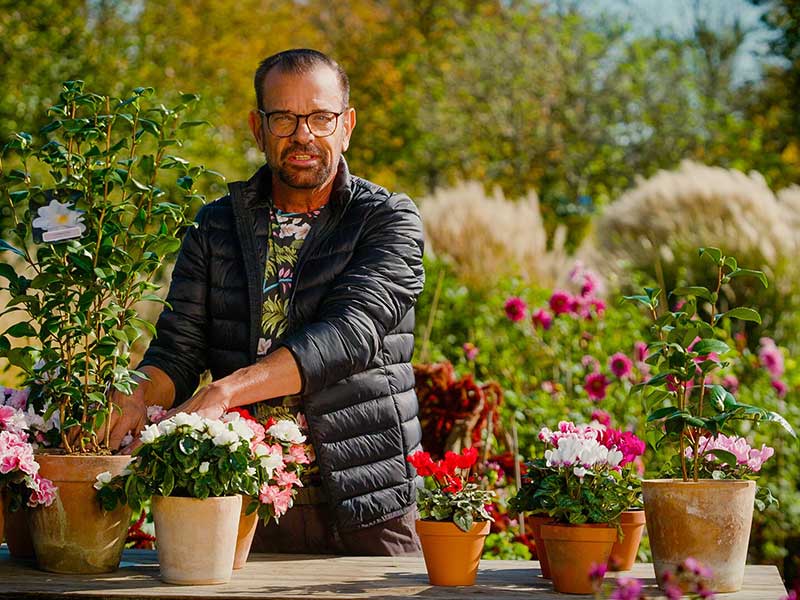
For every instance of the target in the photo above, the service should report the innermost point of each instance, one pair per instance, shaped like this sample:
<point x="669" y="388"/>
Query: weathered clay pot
<point x="534" y="524"/>
<point x="572" y="550"/>
<point x="18" y="533"/>
<point x="196" y="539"/>
<point x="624" y="552"/>
<point x="708" y="520"/>
<point x="247" y="529"/>
<point x="74" y="534"/>
<point x="451" y="556"/>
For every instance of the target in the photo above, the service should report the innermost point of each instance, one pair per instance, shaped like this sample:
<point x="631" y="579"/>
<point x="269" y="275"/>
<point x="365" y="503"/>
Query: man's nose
<point x="303" y="133"/>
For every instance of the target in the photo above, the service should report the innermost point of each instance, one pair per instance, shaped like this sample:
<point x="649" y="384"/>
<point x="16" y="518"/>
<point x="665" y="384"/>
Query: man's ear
<point x="348" y="123"/>
<point x="254" y="120"/>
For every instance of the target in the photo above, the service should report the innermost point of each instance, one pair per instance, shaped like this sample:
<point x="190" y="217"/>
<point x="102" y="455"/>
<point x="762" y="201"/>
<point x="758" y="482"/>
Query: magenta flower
<point x="731" y="383"/>
<point x="515" y="309"/>
<point x="770" y="357"/>
<point x="598" y="571"/>
<point x="620" y="365"/>
<point x="470" y="350"/>
<point x="560" y="302"/>
<point x="590" y="362"/>
<point x="542" y="319"/>
<point x="601" y="417"/>
<point x="628" y="588"/>
<point x="640" y="351"/>
<point x="596" y="384"/>
<point x="780" y="387"/>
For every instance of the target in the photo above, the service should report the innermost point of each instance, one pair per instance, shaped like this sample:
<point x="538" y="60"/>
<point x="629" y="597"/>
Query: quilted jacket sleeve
<point x="179" y="348"/>
<point x="367" y="300"/>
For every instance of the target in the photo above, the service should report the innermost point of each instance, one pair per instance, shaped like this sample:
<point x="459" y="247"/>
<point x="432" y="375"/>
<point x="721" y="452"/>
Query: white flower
<point x="193" y="420"/>
<point x="203" y="467"/>
<point x="287" y="431"/>
<point x="251" y="471"/>
<point x="151" y="433"/>
<point x="270" y="462"/>
<point x="227" y="438"/>
<point x="579" y="472"/>
<point x="614" y="457"/>
<point x="59" y="216"/>
<point x="103" y="479"/>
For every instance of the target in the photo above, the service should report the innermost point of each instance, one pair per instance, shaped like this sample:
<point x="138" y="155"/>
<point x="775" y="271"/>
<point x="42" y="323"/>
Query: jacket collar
<point x="257" y="191"/>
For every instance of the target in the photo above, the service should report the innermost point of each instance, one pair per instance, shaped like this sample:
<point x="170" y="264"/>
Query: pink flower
<point x="541" y="319"/>
<point x="590" y="362"/>
<point x="470" y="350"/>
<point x="287" y="479"/>
<point x="597" y="571"/>
<point x="515" y="309"/>
<point x="601" y="417"/>
<point x="18" y="398"/>
<point x="770" y="357"/>
<point x="259" y="433"/>
<point x="548" y="386"/>
<point x="297" y="454"/>
<point x="156" y="413"/>
<point x="281" y="500"/>
<point x="751" y="458"/>
<point x="780" y="387"/>
<point x="731" y="383"/>
<point x="560" y="302"/>
<point x="640" y="351"/>
<point x="595" y="385"/>
<point x="628" y="588"/>
<point x="626" y="442"/>
<point x="620" y="365"/>
<point x="42" y="492"/>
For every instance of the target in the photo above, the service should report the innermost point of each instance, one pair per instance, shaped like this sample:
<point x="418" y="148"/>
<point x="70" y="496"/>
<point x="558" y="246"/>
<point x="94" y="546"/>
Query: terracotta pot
<point x="624" y="552"/>
<point x="708" y="520"/>
<point x="247" y="529"/>
<point x="451" y="555"/>
<point x="572" y="551"/>
<point x="196" y="539"/>
<point x="533" y="523"/>
<point x="18" y="533"/>
<point x="74" y="534"/>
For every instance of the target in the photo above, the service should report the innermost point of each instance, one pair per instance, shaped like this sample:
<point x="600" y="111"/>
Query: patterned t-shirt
<point x="288" y="231"/>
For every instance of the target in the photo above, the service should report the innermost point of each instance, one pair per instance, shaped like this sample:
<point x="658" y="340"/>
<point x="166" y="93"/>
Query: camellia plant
<point x="686" y="408"/>
<point x="87" y="222"/>
<point x="448" y="495"/>
<point x="190" y="456"/>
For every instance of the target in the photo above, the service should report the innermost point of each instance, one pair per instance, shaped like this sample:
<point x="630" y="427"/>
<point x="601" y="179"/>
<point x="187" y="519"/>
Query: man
<point x="297" y="291"/>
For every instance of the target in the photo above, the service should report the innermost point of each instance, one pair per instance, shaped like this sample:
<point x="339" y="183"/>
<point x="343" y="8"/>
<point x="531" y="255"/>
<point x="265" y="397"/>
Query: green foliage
<point x="502" y="546"/>
<point x="110" y="163"/>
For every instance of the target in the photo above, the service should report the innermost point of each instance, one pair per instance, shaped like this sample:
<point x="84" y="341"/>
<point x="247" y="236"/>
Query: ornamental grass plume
<point x="487" y="237"/>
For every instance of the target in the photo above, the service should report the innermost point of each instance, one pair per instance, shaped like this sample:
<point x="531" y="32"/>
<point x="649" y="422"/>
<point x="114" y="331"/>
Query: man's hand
<point x="128" y="415"/>
<point x="211" y="402"/>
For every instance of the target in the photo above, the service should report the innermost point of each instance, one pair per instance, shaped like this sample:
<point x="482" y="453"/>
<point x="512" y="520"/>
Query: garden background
<point x="562" y="153"/>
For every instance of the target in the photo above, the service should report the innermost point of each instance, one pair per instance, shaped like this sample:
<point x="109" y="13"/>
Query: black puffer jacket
<point x="351" y="321"/>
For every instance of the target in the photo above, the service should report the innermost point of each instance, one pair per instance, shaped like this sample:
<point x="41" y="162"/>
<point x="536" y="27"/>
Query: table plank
<point x="273" y="576"/>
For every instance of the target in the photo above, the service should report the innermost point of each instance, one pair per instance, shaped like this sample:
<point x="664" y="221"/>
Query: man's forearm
<point x="274" y="376"/>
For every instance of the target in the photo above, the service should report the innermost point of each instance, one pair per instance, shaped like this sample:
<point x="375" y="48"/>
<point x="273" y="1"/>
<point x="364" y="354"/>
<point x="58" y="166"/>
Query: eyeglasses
<point x="320" y="123"/>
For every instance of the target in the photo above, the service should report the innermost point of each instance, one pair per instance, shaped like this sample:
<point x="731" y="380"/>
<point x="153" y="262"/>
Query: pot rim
<point x="599" y="532"/>
<point x="450" y="529"/>
<point x="699" y="482"/>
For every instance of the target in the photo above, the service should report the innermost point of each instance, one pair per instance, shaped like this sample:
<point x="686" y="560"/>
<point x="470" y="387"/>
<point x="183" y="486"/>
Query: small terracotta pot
<point x="18" y="533"/>
<point x="196" y="539"/>
<point x="534" y="524"/>
<point x="75" y="534"/>
<point x="247" y="529"/>
<point x="572" y="551"/>
<point x="451" y="555"/>
<point x="624" y="552"/>
<point x="708" y="520"/>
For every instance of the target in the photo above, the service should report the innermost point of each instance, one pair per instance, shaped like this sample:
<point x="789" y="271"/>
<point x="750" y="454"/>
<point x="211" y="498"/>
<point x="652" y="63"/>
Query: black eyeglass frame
<point x="267" y="115"/>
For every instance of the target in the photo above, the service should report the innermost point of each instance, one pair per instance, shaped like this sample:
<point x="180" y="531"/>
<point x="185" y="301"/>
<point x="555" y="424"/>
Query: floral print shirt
<point x="288" y="231"/>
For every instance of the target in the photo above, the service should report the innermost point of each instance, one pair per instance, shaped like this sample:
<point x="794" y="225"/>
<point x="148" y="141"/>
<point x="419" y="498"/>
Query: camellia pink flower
<point x="770" y="357"/>
<point x="595" y="385"/>
<point x="515" y="308"/>
<point x="780" y="387"/>
<point x="542" y="319"/>
<point x="620" y="365"/>
<point x="560" y="302"/>
<point x="470" y="350"/>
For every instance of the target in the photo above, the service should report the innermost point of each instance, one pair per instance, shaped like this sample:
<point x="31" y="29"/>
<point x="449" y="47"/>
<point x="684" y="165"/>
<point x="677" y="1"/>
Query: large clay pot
<point x="247" y="529"/>
<point x="534" y="524"/>
<point x="74" y="534"/>
<point x="451" y="556"/>
<point x="18" y="533"/>
<point x="572" y="551"/>
<point x="708" y="520"/>
<point x="196" y="539"/>
<point x="624" y="552"/>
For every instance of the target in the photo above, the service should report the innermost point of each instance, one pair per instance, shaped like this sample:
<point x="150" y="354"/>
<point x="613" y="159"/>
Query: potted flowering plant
<point x="581" y="488"/>
<point x="196" y="471"/>
<point x="689" y="412"/>
<point x="453" y="521"/>
<point x="86" y="225"/>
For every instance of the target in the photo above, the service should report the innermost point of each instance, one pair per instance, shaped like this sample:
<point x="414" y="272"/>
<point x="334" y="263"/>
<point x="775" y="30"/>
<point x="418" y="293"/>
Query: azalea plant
<point x="19" y="471"/>
<point x="586" y="475"/>
<point x="190" y="456"/>
<point x="87" y="222"/>
<point x="448" y="494"/>
<point x="686" y="407"/>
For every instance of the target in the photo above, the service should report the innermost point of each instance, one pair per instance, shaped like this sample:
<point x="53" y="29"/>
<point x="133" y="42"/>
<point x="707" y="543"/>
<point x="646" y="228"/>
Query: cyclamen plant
<point x="448" y="495"/>
<point x="190" y="456"/>
<point x="584" y="477"/>
<point x="685" y="407"/>
<point x="85" y="246"/>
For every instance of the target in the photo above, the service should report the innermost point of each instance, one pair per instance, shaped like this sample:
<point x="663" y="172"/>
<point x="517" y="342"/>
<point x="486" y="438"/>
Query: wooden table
<point x="267" y="577"/>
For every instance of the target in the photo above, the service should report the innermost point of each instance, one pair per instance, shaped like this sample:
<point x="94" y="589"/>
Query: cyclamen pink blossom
<point x="620" y="365"/>
<point x="770" y="357"/>
<point x="595" y="385"/>
<point x="628" y="588"/>
<point x="746" y="456"/>
<point x="542" y="319"/>
<point x="560" y="302"/>
<point x="515" y="308"/>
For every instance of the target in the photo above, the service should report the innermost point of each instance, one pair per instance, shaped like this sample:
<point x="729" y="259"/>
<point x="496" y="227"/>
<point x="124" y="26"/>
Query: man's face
<point x="302" y="160"/>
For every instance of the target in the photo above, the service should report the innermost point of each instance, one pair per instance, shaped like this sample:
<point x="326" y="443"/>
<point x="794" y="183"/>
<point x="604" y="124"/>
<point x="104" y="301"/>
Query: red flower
<point x="515" y="308"/>
<point x="243" y="412"/>
<point x="561" y="302"/>
<point x="422" y="462"/>
<point x="595" y="386"/>
<point x="454" y="484"/>
<point x="468" y="457"/>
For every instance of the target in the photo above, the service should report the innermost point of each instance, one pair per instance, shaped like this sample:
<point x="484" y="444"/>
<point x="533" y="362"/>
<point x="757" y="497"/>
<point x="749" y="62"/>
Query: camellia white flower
<point x="287" y="431"/>
<point x="203" y="468"/>
<point x="102" y="479"/>
<point x="227" y="438"/>
<point x="151" y="433"/>
<point x="59" y="216"/>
